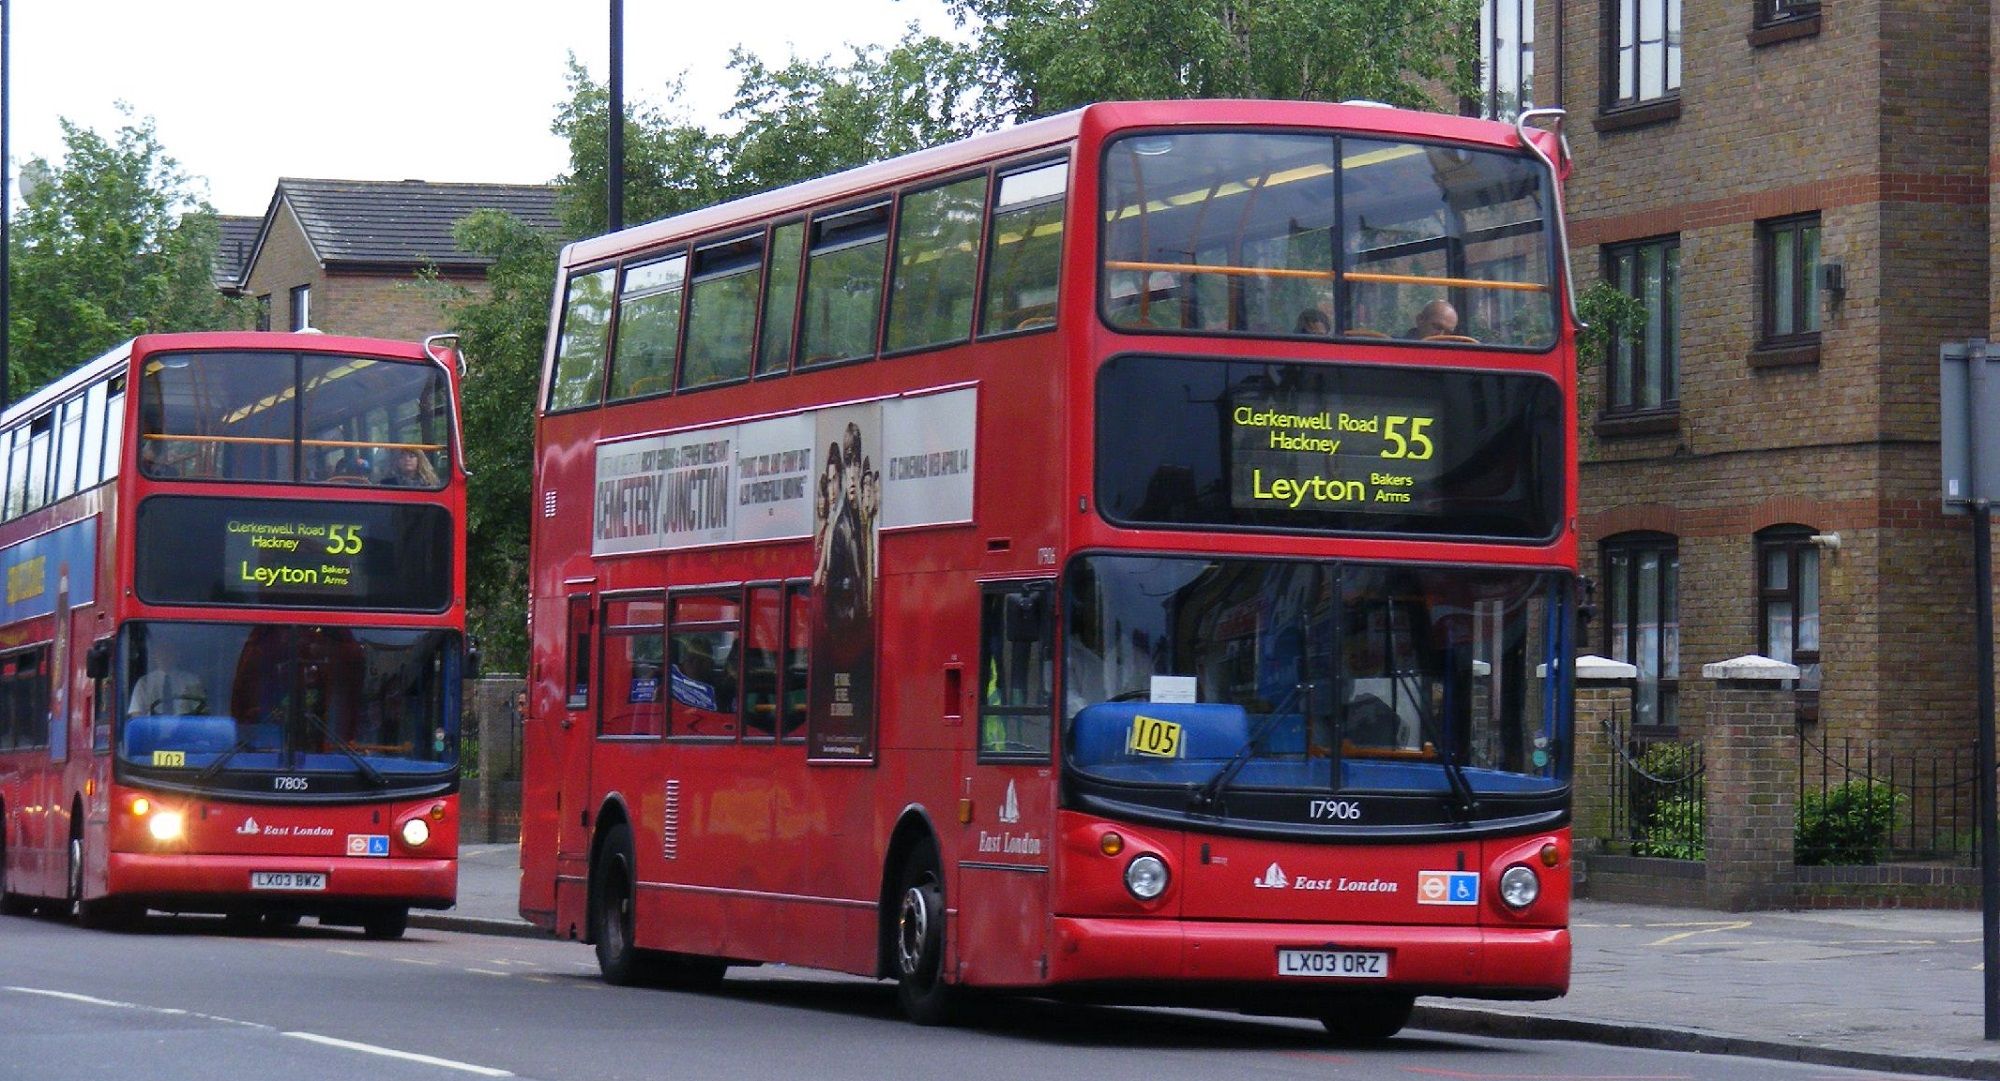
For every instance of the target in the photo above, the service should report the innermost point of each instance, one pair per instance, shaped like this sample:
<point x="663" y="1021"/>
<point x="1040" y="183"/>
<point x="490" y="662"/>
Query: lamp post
<point x="615" y="143"/>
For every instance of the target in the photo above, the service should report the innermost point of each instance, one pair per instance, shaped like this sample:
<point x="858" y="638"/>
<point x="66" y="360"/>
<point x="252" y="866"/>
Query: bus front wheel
<point x="920" y="984"/>
<point x="614" y="895"/>
<point x="388" y="922"/>
<point x="1367" y="1020"/>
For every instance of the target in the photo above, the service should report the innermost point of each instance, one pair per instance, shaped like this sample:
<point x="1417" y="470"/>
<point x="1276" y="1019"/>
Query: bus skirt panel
<point x="1314" y="958"/>
<point x="299" y="882"/>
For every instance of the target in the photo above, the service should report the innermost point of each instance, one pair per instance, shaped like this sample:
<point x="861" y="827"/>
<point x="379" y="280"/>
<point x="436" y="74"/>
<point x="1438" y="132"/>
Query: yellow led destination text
<point x="317" y="545"/>
<point x="1271" y="438"/>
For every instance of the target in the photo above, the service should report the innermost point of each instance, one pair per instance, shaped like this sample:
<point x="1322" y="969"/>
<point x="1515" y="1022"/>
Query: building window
<point x="1788" y="607"/>
<point x="301" y="307"/>
<point x="1506" y="58"/>
<point x="264" y="312"/>
<point x="1770" y="12"/>
<point x="1642" y="372"/>
<point x="1643" y="52"/>
<point x="1642" y="619"/>
<point x="1789" y="249"/>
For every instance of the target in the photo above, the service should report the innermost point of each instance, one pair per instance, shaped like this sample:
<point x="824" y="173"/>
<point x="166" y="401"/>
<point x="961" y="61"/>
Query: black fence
<point x="1656" y="795"/>
<point x="1862" y="803"/>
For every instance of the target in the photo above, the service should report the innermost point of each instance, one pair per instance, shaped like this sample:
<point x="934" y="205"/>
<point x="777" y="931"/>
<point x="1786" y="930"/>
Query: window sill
<point x="1615" y="425"/>
<point x="1792" y="29"/>
<point x="1627" y="117"/>
<point x="1785" y="355"/>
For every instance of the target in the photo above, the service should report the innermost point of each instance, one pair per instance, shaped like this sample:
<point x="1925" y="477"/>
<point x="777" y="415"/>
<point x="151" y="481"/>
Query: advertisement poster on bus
<point x="846" y="518"/>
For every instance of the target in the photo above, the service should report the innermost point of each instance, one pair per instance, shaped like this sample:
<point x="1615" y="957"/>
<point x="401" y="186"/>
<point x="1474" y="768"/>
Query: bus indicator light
<point x="1111" y="843"/>
<point x="141" y="805"/>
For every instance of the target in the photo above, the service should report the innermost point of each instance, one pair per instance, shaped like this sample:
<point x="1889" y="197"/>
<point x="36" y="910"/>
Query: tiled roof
<point x="232" y="254"/>
<point x="402" y="223"/>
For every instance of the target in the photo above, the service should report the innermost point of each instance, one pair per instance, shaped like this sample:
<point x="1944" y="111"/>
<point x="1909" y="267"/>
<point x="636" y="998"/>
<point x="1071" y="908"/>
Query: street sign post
<point x="1969" y="441"/>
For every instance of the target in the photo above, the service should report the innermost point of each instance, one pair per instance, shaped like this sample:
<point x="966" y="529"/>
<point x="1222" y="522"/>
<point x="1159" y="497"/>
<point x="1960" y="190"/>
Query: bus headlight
<point x="1146" y="877"/>
<point x="1519" y="886"/>
<point x="166" y="825"/>
<point x="416" y="831"/>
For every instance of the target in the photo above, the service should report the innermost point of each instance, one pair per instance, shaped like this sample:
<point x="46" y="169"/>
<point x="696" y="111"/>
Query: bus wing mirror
<point x="97" y="662"/>
<point x="1027" y="615"/>
<point x="472" y="658"/>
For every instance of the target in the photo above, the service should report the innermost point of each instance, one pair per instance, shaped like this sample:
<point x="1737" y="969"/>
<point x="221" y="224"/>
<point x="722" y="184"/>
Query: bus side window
<point x="578" y="669"/>
<point x="1024" y="251"/>
<point x="579" y="375"/>
<point x="798" y="647"/>
<point x="1016" y="675"/>
<point x="763" y="656"/>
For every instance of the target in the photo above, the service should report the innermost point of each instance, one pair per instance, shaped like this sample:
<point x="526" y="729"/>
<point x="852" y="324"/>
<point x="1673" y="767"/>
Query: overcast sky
<point x="439" y="90"/>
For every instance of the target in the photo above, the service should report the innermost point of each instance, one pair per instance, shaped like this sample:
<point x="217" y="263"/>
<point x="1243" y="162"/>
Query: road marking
<point x="1701" y="927"/>
<point x="167" y="1011"/>
<point x="487" y="972"/>
<point x="407" y="1056"/>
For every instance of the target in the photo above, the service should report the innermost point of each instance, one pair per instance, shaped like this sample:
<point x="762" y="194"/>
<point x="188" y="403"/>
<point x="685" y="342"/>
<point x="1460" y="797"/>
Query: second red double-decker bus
<point x="232" y="644"/>
<point x="1129" y="557"/>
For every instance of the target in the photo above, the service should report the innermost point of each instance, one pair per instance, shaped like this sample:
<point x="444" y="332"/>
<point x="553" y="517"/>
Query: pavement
<point x="1887" y="990"/>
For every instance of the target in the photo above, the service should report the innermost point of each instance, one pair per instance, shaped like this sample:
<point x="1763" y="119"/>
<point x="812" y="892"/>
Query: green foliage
<point x="1610" y="313"/>
<point x="1046" y="56"/>
<point x="501" y="336"/>
<point x="1846" y="825"/>
<point x="110" y="242"/>
<point x="1672" y="831"/>
<point x="1668" y="802"/>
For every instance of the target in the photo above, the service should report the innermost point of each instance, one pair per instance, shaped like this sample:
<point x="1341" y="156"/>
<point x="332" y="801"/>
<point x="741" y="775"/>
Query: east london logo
<point x="250" y="828"/>
<point x="1274" y="878"/>
<point x="1016" y="844"/>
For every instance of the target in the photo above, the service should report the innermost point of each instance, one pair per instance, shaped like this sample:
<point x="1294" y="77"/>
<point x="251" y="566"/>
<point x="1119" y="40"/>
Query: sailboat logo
<point x="248" y="828"/>
<point x="1010" y="808"/>
<point x="1273" y="878"/>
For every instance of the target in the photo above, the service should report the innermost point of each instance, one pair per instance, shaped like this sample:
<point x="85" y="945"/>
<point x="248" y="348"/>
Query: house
<point x="1800" y="194"/>
<point x="343" y="256"/>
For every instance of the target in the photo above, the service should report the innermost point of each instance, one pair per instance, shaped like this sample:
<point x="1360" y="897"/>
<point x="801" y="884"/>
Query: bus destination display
<point x="1329" y="447"/>
<point x="294" y="553"/>
<point x="1295" y="450"/>
<point x="265" y="551"/>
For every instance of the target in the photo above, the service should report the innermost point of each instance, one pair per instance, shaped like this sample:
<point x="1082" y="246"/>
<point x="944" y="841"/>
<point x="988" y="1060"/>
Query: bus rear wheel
<point x="1369" y="1019"/>
<point x="920" y="984"/>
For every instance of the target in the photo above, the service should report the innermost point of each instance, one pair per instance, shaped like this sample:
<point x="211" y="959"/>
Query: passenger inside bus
<point x="408" y="468"/>
<point x="1434" y="319"/>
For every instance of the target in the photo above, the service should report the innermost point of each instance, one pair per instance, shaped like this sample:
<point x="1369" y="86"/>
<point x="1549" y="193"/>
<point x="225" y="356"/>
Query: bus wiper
<point x="374" y="775"/>
<point x="1208" y="794"/>
<point x="1462" y="799"/>
<point x="209" y="771"/>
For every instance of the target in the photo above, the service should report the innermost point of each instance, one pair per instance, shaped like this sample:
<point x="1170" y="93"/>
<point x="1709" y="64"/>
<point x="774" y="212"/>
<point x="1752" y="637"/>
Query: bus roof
<point x="1025" y="138"/>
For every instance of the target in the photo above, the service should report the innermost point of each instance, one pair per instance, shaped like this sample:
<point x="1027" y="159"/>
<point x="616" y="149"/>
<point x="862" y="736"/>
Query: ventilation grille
<point x="670" y="822"/>
<point x="549" y="504"/>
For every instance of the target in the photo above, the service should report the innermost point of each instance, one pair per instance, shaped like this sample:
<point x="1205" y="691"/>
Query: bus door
<point x="572" y="740"/>
<point x="1003" y="901"/>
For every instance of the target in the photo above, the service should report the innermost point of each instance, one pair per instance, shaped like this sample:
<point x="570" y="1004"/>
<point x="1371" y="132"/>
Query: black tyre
<point x="919" y="942"/>
<point x="11" y="904"/>
<point x="388" y="922"/>
<point x="108" y="914"/>
<point x="73" y="894"/>
<point x="1370" y="1019"/>
<point x="614" y="893"/>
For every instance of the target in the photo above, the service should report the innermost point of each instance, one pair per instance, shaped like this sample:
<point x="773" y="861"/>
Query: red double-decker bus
<point x="233" y="637"/>
<point x="1129" y="556"/>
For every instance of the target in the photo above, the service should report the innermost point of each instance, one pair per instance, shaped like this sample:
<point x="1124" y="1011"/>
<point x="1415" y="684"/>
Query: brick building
<point x="1799" y="191"/>
<point x="343" y="255"/>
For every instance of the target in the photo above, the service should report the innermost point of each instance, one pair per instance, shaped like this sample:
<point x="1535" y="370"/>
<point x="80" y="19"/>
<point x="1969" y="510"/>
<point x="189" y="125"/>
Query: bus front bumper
<point x="1479" y="962"/>
<point x="298" y="882"/>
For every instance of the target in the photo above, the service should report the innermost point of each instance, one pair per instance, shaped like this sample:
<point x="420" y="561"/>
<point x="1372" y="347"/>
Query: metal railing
<point x="1862" y="803"/>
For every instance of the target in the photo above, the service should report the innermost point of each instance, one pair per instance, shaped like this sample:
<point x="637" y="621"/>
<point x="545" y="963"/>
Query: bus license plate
<point x="287" y="880"/>
<point x="1339" y="964"/>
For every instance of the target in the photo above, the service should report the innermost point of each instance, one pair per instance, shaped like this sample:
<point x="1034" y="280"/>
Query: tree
<point x="1047" y="56"/>
<point x="110" y="242"/>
